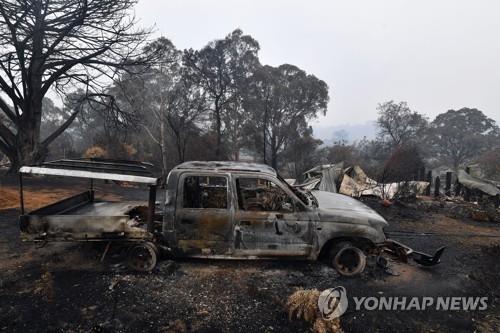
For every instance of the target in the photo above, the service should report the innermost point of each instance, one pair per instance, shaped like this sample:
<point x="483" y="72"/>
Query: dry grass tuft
<point x="303" y="304"/>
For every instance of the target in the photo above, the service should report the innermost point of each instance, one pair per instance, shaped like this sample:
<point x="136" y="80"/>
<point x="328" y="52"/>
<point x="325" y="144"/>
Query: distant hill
<point x="349" y="132"/>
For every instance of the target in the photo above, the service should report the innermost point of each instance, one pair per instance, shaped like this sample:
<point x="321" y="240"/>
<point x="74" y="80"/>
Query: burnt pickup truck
<point x="216" y="210"/>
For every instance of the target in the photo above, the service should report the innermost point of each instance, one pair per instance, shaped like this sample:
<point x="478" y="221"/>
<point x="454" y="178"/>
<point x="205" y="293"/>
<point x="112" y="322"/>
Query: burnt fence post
<point x="447" y="190"/>
<point x="422" y="174"/>
<point x="437" y="184"/>
<point x="429" y="180"/>
<point x="466" y="194"/>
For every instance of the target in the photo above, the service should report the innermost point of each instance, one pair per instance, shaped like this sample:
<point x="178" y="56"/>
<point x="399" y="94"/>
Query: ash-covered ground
<point x="66" y="288"/>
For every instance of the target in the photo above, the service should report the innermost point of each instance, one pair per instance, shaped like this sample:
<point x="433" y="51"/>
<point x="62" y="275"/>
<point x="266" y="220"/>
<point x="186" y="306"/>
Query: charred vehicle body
<point x="216" y="210"/>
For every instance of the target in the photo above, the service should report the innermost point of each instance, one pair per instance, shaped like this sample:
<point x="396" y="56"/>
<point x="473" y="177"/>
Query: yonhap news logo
<point x="333" y="303"/>
<point x="394" y="303"/>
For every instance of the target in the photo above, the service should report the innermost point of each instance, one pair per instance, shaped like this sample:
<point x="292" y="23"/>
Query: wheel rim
<point x="349" y="261"/>
<point x="142" y="257"/>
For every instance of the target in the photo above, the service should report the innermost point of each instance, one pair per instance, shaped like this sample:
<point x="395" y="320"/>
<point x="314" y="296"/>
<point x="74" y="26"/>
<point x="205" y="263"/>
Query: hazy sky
<point x="436" y="55"/>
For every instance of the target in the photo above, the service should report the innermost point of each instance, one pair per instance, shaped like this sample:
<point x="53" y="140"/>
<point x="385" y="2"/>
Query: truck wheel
<point x="347" y="259"/>
<point x="143" y="257"/>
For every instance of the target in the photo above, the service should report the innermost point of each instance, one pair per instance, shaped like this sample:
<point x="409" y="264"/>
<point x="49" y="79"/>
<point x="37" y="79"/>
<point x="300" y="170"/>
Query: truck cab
<point x="245" y="210"/>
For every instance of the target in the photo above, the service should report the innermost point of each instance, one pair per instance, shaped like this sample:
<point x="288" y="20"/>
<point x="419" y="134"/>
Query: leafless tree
<point x="170" y="104"/>
<point x="399" y="125"/>
<point x="61" y="45"/>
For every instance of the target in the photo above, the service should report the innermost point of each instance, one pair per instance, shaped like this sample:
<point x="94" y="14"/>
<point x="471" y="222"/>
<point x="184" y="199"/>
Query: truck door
<point x="269" y="221"/>
<point x="203" y="219"/>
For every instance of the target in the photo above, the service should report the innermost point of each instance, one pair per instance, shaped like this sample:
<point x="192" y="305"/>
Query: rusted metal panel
<point x="79" y="227"/>
<point x="106" y="208"/>
<point x="76" y="218"/>
<point x="202" y="231"/>
<point x="64" y="205"/>
<point x="273" y="234"/>
<point x="272" y="229"/>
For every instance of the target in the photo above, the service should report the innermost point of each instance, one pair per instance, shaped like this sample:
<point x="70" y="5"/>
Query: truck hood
<point x="334" y="207"/>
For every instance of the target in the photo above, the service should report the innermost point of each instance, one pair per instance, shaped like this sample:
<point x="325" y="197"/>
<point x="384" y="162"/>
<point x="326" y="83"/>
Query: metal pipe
<point x="151" y="207"/>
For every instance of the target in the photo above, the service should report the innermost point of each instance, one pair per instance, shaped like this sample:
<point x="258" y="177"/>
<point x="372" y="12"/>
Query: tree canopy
<point x="58" y="45"/>
<point x="457" y="136"/>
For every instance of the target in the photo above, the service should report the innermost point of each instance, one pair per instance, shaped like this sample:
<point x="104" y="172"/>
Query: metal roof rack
<point x="96" y="168"/>
<point x="226" y="166"/>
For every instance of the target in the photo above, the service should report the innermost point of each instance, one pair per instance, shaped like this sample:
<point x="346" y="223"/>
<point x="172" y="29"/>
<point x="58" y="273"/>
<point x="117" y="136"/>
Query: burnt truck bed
<point x="80" y="218"/>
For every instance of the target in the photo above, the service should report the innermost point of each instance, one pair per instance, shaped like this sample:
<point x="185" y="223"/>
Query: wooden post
<point x="429" y="180"/>
<point x="448" y="184"/>
<point x="437" y="184"/>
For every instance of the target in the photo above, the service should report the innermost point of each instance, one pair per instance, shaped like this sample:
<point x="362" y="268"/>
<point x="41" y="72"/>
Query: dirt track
<point x="64" y="287"/>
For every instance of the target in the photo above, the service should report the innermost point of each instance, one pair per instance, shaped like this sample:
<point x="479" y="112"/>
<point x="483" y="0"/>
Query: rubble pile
<point x="473" y="198"/>
<point x="354" y="182"/>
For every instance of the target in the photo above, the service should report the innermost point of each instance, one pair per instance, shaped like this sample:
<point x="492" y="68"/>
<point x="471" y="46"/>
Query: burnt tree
<point x="222" y="69"/>
<point x="58" y="45"/>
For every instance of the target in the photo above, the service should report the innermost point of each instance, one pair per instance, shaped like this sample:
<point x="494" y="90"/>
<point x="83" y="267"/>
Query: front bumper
<point x="404" y="252"/>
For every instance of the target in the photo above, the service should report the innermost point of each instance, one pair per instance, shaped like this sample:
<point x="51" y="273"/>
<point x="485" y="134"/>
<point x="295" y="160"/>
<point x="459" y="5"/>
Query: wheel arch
<point x="361" y="242"/>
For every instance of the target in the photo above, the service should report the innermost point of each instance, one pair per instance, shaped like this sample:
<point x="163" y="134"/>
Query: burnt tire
<point x="347" y="259"/>
<point x="142" y="257"/>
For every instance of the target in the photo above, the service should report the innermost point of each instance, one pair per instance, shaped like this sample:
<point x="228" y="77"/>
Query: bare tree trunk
<point x="180" y="153"/>
<point x="29" y="149"/>
<point x="218" y="124"/>
<point x="264" y="139"/>
<point x="163" y="151"/>
<point x="274" y="153"/>
<point x="236" y="153"/>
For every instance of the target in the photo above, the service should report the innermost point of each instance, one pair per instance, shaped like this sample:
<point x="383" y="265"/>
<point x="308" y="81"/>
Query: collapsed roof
<point x="353" y="181"/>
<point x="474" y="183"/>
